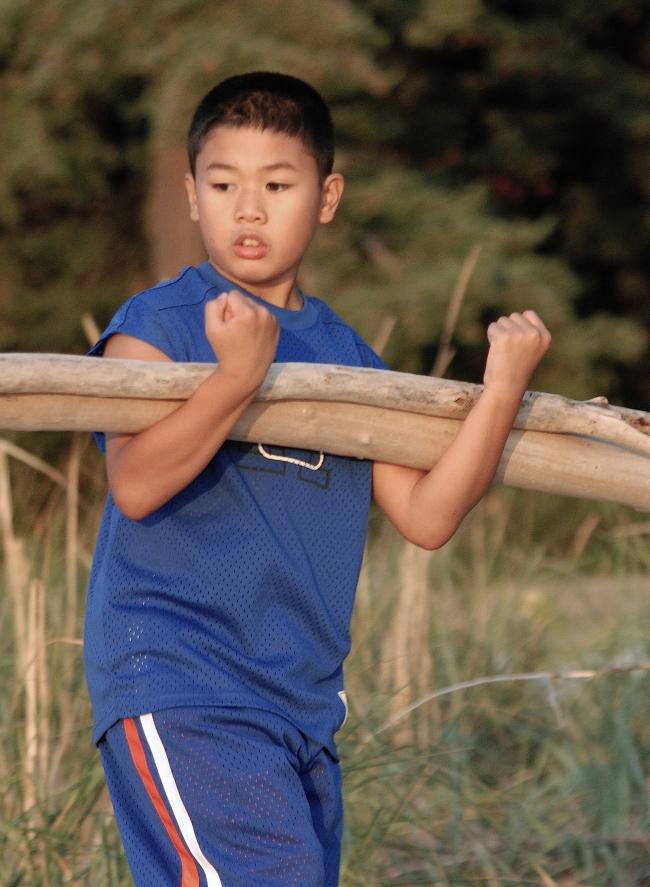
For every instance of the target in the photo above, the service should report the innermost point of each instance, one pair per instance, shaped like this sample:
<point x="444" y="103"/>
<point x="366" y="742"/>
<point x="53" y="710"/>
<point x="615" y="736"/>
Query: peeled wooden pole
<point x="583" y="450"/>
<point x="152" y="380"/>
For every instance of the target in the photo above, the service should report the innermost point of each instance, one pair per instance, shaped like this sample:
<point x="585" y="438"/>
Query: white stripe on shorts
<point x="175" y="801"/>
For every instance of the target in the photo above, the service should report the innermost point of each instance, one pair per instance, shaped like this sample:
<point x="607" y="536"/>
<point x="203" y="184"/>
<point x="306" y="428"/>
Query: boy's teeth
<point x="250" y="241"/>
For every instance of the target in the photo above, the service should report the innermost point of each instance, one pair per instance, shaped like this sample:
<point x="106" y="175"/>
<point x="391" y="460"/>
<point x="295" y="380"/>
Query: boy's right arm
<point x="147" y="469"/>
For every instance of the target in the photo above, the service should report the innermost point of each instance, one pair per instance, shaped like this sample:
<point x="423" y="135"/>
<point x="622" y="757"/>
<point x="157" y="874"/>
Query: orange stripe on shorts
<point x="189" y="871"/>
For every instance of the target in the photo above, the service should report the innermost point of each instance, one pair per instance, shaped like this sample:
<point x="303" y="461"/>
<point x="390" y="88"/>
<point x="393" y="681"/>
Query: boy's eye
<point x="276" y="186"/>
<point x="222" y="186"/>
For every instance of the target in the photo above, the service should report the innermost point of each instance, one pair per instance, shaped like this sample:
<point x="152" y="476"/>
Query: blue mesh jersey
<point x="239" y="590"/>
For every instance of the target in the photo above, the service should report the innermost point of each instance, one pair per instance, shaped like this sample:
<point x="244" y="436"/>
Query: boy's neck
<point x="289" y="298"/>
<point x="282" y="295"/>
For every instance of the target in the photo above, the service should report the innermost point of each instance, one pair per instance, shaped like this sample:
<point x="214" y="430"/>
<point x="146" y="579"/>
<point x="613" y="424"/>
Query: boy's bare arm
<point x="427" y="507"/>
<point x="147" y="469"/>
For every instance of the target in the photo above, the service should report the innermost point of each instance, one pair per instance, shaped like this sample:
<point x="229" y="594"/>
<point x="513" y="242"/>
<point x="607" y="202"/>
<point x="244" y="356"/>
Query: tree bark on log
<point x="560" y="446"/>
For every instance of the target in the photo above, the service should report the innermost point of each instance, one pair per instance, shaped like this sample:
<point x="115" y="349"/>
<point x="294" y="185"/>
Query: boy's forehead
<point x="246" y="145"/>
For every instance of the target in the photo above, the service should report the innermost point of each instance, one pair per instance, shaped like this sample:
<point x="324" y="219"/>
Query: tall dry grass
<point x="541" y="781"/>
<point x="530" y="764"/>
<point x="55" y="819"/>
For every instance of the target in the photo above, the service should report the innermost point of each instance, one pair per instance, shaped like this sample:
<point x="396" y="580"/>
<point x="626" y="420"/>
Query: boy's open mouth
<point x="250" y="246"/>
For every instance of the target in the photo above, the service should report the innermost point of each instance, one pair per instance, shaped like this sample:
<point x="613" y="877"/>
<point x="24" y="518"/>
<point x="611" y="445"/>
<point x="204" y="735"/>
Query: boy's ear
<point x="331" y="194"/>
<point x="190" y="187"/>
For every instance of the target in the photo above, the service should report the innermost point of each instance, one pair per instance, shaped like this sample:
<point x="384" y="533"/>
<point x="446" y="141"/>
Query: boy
<point x="224" y="574"/>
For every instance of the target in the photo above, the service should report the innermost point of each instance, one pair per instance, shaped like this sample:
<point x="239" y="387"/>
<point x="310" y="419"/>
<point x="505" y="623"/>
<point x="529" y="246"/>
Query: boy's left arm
<point x="428" y="507"/>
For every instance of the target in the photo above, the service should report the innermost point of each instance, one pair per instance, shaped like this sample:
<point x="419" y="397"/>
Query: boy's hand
<point x="243" y="336"/>
<point x="517" y="344"/>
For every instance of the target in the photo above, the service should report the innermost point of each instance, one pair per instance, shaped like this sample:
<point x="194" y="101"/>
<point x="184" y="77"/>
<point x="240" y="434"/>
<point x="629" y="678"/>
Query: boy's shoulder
<point x="187" y="288"/>
<point x="164" y="315"/>
<point x="327" y="314"/>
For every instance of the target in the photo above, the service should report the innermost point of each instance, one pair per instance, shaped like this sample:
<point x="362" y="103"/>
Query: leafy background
<point x="521" y="126"/>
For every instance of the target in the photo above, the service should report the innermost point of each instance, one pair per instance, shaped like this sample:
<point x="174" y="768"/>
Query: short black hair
<point x="266" y="100"/>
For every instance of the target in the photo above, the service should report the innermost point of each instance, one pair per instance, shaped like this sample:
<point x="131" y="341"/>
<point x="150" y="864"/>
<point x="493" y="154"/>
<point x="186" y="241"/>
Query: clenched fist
<point x="517" y="344"/>
<point x="244" y="337"/>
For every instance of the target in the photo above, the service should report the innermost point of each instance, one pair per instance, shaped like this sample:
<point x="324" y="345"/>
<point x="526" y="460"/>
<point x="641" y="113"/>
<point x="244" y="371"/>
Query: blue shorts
<point x="223" y="797"/>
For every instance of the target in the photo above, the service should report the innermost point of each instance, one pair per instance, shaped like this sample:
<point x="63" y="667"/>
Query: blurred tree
<point x="519" y="126"/>
<point x="547" y="103"/>
<point x="94" y="92"/>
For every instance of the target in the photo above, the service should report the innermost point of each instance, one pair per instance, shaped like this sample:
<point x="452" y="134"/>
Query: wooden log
<point x="68" y="374"/>
<point x="558" y="461"/>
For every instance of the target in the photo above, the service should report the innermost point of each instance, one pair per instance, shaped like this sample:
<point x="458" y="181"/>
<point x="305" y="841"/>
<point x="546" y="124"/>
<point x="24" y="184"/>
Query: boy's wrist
<point x="502" y="394"/>
<point x="239" y="383"/>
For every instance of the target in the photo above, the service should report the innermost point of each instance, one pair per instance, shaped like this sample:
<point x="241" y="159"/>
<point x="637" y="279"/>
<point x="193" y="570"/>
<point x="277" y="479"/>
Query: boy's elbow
<point x="429" y="538"/>
<point x="431" y="545"/>
<point x="430" y="542"/>
<point x="136" y="514"/>
<point x="130" y="503"/>
<point x="432" y="536"/>
<point x="432" y="531"/>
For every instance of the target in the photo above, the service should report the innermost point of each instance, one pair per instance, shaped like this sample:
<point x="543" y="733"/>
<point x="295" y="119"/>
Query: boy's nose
<point x="250" y="208"/>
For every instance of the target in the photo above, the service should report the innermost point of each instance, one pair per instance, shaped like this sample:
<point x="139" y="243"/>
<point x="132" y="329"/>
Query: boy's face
<point x="258" y="201"/>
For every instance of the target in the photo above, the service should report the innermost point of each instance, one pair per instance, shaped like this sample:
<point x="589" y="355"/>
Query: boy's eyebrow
<point x="283" y="164"/>
<point x="270" y="167"/>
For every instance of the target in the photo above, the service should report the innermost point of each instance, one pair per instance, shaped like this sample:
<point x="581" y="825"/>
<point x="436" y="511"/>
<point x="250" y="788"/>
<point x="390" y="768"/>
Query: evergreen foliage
<point x="519" y="126"/>
<point x="547" y="104"/>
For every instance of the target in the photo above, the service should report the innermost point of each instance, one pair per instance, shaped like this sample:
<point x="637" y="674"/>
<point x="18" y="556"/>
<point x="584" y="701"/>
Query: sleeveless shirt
<point x="239" y="590"/>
